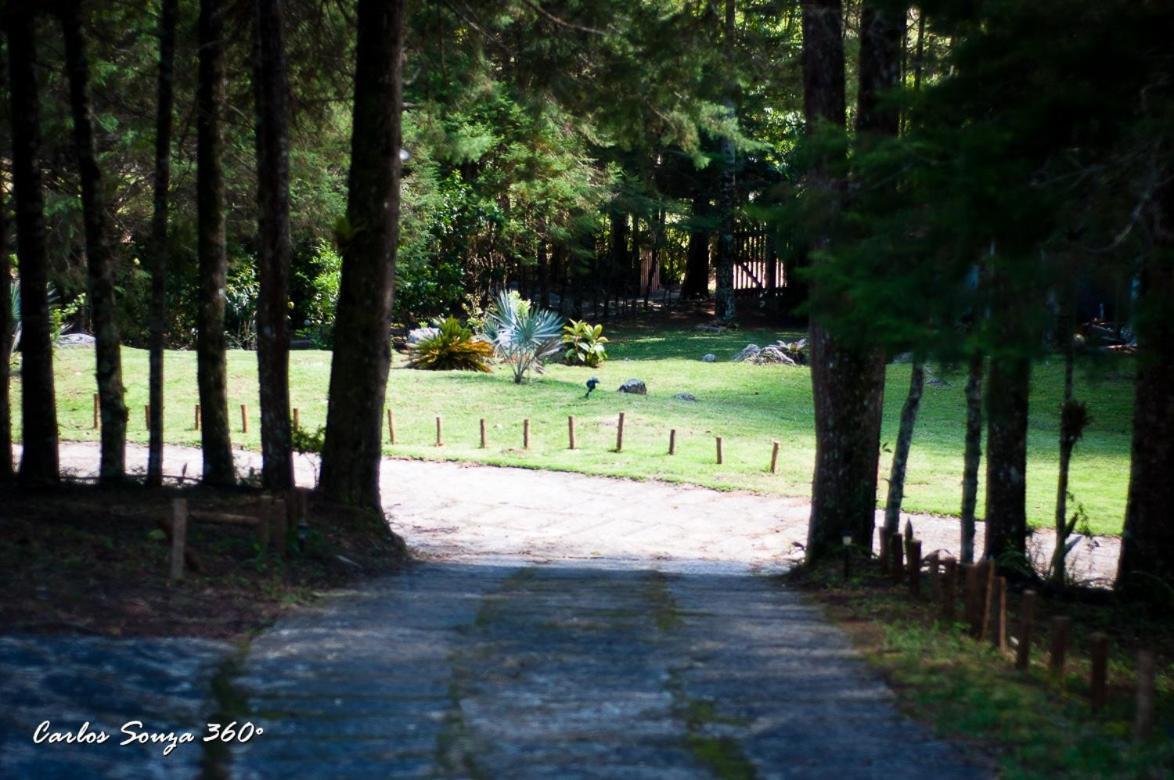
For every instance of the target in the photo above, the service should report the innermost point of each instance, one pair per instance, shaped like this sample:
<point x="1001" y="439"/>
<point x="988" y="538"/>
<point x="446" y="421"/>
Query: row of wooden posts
<point x="484" y="439"/>
<point x="984" y="600"/>
<point x="272" y="525"/>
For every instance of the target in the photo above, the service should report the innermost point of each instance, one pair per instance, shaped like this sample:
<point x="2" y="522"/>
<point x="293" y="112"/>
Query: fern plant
<point x="522" y="335"/>
<point x="452" y="348"/>
<point x="584" y="344"/>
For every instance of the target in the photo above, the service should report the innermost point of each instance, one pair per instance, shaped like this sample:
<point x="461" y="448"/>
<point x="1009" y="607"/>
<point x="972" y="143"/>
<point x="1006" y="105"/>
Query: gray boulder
<point x="633" y="386"/>
<point x="748" y="354"/>
<point x="709" y="357"/>
<point x="685" y="397"/>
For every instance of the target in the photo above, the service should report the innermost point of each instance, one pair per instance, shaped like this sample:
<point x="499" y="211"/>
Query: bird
<point x="591" y="385"/>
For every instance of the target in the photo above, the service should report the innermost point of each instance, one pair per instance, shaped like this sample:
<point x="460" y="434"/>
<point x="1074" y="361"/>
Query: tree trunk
<point x="358" y="376"/>
<point x="972" y="456"/>
<point x="162" y="183"/>
<point x="38" y="462"/>
<point x="696" y="284"/>
<point x="1147" y="543"/>
<point x="272" y="139"/>
<point x="6" y="325"/>
<point x="901" y="453"/>
<point x="1068" y="438"/>
<point x="1006" y="466"/>
<point x="724" y="307"/>
<point x="99" y="271"/>
<point x="847" y="380"/>
<point x="211" y="368"/>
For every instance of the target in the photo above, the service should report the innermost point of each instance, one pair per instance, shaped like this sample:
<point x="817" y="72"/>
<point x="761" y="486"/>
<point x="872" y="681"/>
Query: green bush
<point x="453" y="348"/>
<point x="584" y="344"/>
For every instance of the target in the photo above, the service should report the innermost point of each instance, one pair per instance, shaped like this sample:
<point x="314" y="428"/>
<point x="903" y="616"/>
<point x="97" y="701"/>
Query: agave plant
<point x="522" y="335"/>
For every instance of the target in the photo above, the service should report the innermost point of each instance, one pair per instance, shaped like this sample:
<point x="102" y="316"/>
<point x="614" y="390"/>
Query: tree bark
<point x="696" y="284"/>
<point x="1147" y="543"/>
<point x="38" y="462"/>
<point x="272" y="139"/>
<point x="1068" y="439"/>
<point x="724" y="303"/>
<point x="162" y="184"/>
<point x="6" y="324"/>
<point x="358" y="376"/>
<point x="1008" y="384"/>
<point x="901" y="453"/>
<point x="972" y="456"/>
<point x="211" y="369"/>
<point x="99" y="270"/>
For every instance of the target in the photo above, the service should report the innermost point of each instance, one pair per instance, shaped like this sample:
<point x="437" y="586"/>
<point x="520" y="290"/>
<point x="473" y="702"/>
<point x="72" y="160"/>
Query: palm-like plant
<point x="522" y="335"/>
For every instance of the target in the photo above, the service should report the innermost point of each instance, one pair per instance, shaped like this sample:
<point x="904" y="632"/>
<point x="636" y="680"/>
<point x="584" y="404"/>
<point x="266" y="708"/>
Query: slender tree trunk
<point x="724" y="306"/>
<point x="901" y="453"/>
<point x="1008" y="384"/>
<point x="273" y="230"/>
<point x="696" y="284"/>
<point x="6" y="321"/>
<point x="1147" y="543"/>
<point x="162" y="184"/>
<point x="1068" y="439"/>
<point x="847" y="381"/>
<point x="38" y="462"/>
<point x="211" y="368"/>
<point x="99" y="270"/>
<point x="972" y="455"/>
<point x="358" y="376"/>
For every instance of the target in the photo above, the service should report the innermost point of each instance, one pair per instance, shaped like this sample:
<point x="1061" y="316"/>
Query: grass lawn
<point x="748" y="405"/>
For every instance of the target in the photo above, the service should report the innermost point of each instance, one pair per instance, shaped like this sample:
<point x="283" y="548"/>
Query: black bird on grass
<point x="592" y="383"/>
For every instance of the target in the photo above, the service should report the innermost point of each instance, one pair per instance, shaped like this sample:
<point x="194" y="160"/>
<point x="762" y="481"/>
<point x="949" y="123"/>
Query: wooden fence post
<point x="718" y="440"/>
<point x="484" y="437"/>
<point x="147" y="416"/>
<point x="988" y="599"/>
<point x="526" y="433"/>
<point x="1026" y="620"/>
<point x="244" y="418"/>
<point x="1143" y="722"/>
<point x="1099" y="676"/>
<point x="915" y="567"/>
<point x="96" y="411"/>
<point x="673" y="441"/>
<point x="390" y="427"/>
<point x="999" y="616"/>
<point x="179" y="536"/>
<point x="972" y="572"/>
<point x="949" y="584"/>
<point x="1059" y="645"/>
<point x="297" y="419"/>
<point x="774" y="457"/>
<point x="198" y="417"/>
<point x="896" y="557"/>
<point x="439" y="432"/>
<point x="620" y="434"/>
<point x="571" y="432"/>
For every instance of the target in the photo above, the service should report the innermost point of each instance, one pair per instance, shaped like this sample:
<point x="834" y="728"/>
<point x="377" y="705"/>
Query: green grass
<point x="747" y="405"/>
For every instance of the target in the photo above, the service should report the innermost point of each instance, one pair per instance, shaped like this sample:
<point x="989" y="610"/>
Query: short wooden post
<point x="718" y="440"/>
<point x="280" y="522"/>
<point x="1143" y="721"/>
<point x="484" y="437"/>
<point x="1026" y="621"/>
<point x="96" y="414"/>
<point x="972" y="573"/>
<point x="915" y="567"/>
<point x="1099" y="676"/>
<point x="673" y="441"/>
<point x="999" y="616"/>
<point x="774" y="457"/>
<point x="570" y="432"/>
<point x="896" y="557"/>
<point x="179" y="536"/>
<point x="884" y="548"/>
<point x="244" y="418"/>
<point x="949" y="584"/>
<point x="390" y="427"/>
<point x="526" y="434"/>
<point x="264" y="523"/>
<point x="987" y="605"/>
<point x="439" y="432"/>
<point x="147" y="416"/>
<point x="1059" y="645"/>
<point x="297" y="419"/>
<point x="620" y="433"/>
<point x="198" y="417"/>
